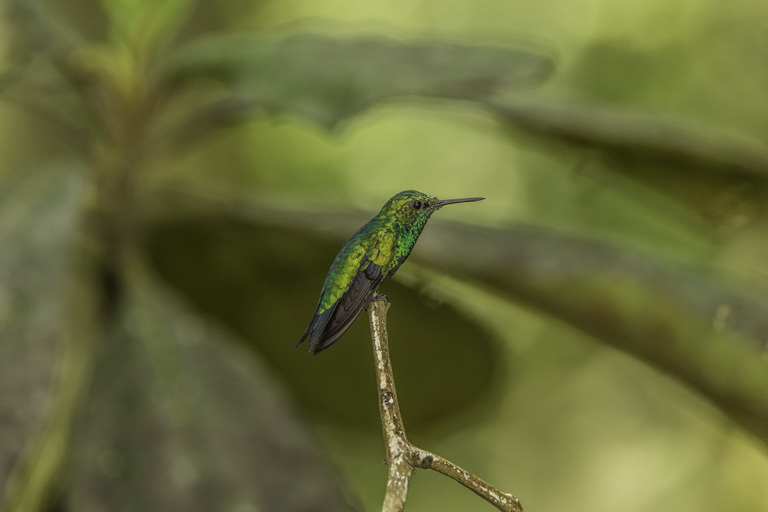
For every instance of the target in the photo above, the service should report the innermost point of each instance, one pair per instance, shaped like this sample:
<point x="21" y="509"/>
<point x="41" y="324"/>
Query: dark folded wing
<point x="346" y="310"/>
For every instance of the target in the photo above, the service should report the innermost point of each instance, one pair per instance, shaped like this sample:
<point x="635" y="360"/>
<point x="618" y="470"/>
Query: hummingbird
<point x="371" y="256"/>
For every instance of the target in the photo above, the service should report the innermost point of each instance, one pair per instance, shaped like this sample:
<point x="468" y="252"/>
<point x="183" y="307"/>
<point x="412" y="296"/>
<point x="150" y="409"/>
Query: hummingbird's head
<point x="412" y="204"/>
<point x="408" y="205"/>
<point x="406" y="214"/>
<point x="414" y="208"/>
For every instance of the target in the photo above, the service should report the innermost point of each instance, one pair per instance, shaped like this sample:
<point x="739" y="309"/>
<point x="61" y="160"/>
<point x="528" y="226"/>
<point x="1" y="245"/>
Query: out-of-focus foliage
<point x="37" y="235"/>
<point x="172" y="194"/>
<point x="350" y="76"/>
<point x="178" y="415"/>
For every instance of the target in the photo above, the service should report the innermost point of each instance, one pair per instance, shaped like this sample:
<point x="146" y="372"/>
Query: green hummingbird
<point x="371" y="256"/>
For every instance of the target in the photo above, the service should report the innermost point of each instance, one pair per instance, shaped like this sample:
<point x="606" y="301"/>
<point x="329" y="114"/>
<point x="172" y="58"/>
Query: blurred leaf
<point x="181" y="418"/>
<point x="704" y="328"/>
<point x="324" y="79"/>
<point x="637" y="135"/>
<point x="146" y="22"/>
<point x="39" y="214"/>
<point x="44" y="75"/>
<point x="264" y="283"/>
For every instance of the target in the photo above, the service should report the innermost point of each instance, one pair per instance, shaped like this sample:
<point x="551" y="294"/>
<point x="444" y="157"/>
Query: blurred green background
<point x="177" y="177"/>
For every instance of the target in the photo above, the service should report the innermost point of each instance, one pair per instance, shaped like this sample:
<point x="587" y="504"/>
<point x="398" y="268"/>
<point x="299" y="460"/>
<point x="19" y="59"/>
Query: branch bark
<point x="402" y="456"/>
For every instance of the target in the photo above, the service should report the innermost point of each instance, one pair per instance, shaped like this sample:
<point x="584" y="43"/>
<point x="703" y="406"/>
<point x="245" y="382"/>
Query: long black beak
<point x="440" y="203"/>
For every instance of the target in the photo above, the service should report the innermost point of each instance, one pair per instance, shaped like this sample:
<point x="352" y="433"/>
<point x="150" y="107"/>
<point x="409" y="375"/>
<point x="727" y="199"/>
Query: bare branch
<point x="400" y="470"/>
<point x="402" y="456"/>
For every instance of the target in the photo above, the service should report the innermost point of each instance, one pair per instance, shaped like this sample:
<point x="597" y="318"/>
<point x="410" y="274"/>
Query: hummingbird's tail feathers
<point x="316" y="328"/>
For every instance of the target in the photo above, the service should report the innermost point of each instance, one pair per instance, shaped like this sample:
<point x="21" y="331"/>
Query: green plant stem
<point x="402" y="456"/>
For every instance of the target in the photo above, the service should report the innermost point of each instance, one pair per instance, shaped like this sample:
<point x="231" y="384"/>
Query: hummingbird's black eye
<point x="416" y="204"/>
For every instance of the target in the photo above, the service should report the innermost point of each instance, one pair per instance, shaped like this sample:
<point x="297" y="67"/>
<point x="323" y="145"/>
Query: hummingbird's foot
<point x="380" y="297"/>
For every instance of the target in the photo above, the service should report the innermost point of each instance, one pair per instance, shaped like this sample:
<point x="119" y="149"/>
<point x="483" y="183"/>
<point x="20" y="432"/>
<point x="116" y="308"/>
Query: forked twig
<point x="402" y="456"/>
